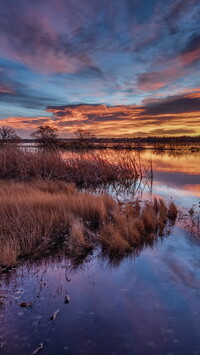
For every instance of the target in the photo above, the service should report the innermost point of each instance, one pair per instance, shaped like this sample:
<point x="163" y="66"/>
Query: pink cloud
<point x="155" y="80"/>
<point x="4" y="89"/>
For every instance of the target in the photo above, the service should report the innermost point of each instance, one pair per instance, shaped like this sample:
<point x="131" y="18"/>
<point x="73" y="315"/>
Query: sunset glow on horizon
<point x="118" y="69"/>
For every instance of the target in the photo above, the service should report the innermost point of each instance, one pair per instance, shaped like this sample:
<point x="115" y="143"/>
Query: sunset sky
<point x="115" y="67"/>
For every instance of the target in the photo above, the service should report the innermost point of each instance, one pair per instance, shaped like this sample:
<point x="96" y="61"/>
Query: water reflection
<point x="168" y="174"/>
<point x="181" y="163"/>
<point x="177" y="177"/>
<point x="146" y="302"/>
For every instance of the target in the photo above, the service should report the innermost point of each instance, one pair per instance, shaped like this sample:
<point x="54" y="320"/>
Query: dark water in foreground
<point x="148" y="304"/>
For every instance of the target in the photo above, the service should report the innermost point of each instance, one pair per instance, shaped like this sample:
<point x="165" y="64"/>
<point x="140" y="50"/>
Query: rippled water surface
<point x="146" y="304"/>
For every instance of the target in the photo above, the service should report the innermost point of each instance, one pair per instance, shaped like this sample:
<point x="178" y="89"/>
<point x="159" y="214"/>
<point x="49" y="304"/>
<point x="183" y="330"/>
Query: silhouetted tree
<point x="8" y="136"/>
<point x="84" y="137"/>
<point x="46" y="136"/>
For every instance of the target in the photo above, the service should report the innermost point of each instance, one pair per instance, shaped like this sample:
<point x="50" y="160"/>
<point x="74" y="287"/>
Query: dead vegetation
<point x="84" y="169"/>
<point x="41" y="217"/>
<point x="172" y="212"/>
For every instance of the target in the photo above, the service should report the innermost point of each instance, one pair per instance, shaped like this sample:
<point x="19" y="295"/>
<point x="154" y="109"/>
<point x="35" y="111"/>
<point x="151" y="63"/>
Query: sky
<point x="119" y="68"/>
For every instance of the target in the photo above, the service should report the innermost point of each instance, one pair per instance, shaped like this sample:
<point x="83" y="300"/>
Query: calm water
<point x="148" y="304"/>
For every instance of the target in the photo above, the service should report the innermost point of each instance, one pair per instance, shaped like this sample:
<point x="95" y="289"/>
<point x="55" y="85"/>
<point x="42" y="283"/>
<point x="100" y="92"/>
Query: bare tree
<point x="8" y="136"/>
<point x="46" y="136"/>
<point x="84" y="137"/>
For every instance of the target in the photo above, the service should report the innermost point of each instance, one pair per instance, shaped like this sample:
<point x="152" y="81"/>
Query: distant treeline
<point x="150" y="139"/>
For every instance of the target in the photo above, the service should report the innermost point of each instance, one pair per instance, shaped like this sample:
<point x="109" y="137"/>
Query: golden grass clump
<point x="134" y="225"/>
<point x="149" y="218"/>
<point x="112" y="239"/>
<point x="172" y="211"/>
<point x="41" y="217"/>
<point x="78" y="244"/>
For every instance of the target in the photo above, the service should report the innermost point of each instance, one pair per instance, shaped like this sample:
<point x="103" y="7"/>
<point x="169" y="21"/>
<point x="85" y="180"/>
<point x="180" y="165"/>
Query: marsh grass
<point x="172" y="211"/>
<point x="41" y="217"/>
<point x="84" y="169"/>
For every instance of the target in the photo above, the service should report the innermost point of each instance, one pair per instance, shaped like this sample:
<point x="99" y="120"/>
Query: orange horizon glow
<point x="116" y="121"/>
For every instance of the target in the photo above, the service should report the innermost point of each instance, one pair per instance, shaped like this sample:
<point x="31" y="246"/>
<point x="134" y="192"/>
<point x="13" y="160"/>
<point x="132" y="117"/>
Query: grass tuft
<point x="42" y="217"/>
<point x="172" y="211"/>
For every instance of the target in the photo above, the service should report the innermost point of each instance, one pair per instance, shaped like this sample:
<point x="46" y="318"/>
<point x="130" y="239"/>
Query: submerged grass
<point x="39" y="217"/>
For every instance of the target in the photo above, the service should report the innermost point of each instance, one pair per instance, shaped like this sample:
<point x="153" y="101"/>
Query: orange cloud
<point x="25" y="125"/>
<point x="178" y="115"/>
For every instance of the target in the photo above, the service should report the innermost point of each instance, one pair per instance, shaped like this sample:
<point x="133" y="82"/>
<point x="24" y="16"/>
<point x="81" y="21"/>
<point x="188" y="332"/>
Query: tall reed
<point x="89" y="169"/>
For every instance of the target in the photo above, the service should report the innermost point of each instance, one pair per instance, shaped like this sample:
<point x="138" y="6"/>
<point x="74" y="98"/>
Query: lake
<point x="143" y="304"/>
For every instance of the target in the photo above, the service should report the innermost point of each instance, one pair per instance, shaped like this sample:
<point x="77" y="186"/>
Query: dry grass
<point x="172" y="211"/>
<point x="39" y="217"/>
<point x="84" y="169"/>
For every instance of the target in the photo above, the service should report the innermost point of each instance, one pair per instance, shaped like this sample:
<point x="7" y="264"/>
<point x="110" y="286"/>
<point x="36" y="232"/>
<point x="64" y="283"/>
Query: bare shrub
<point x="8" y="136"/>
